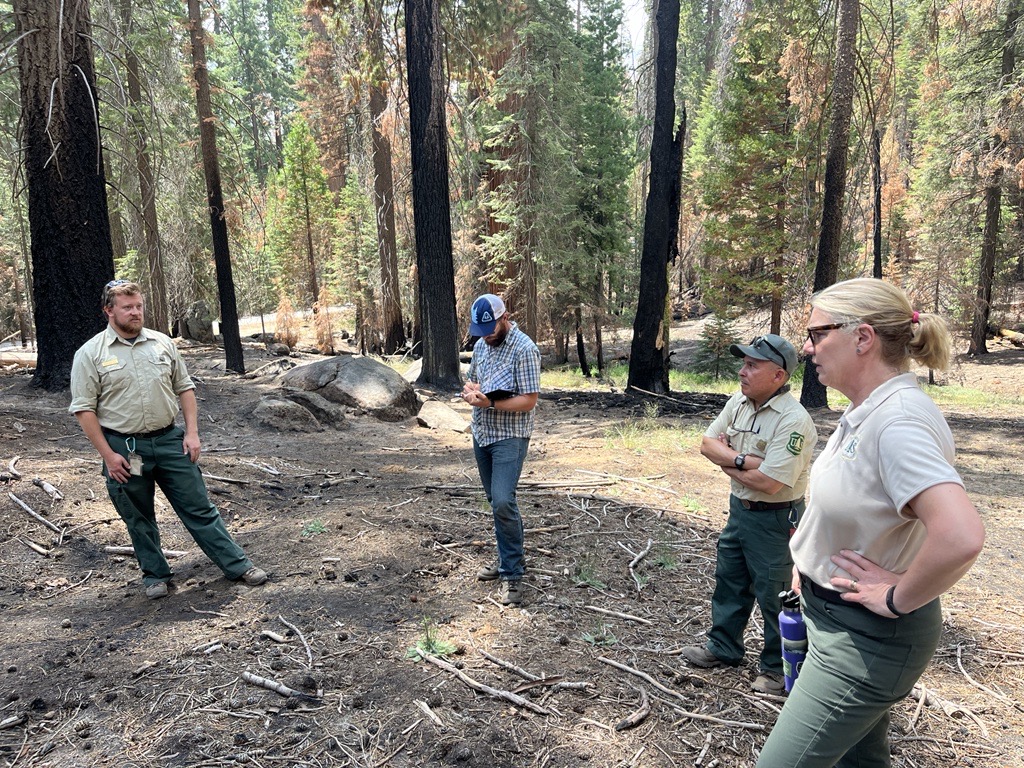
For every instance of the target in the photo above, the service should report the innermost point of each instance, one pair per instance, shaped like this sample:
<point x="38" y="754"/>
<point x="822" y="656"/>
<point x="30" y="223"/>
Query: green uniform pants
<point x="753" y="564"/>
<point x="858" y="665"/>
<point x="164" y="464"/>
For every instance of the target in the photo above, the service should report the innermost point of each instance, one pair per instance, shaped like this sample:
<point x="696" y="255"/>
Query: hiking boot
<point x="254" y="576"/>
<point x="769" y="682"/>
<point x="699" y="656"/>
<point x="487" y="573"/>
<point x="156" y="590"/>
<point x="512" y="592"/>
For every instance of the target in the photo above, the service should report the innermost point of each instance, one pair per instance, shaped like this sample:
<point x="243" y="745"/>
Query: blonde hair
<point x="904" y="333"/>
<point x="119" y="288"/>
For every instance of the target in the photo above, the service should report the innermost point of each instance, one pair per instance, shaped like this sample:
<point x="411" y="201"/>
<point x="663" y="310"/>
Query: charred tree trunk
<point x="826" y="268"/>
<point x="72" y="254"/>
<point x="581" y="345"/>
<point x="392" y="328"/>
<point x="987" y="264"/>
<point x="428" y="139"/>
<point x="215" y="197"/>
<point x="648" y="362"/>
<point x="876" y="225"/>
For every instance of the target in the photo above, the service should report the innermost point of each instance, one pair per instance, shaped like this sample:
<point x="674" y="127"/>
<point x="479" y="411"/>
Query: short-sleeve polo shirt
<point x="780" y="432"/>
<point x="132" y="387"/>
<point x="884" y="453"/>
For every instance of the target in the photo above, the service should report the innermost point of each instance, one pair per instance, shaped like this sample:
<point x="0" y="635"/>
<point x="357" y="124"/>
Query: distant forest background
<point x="549" y="109"/>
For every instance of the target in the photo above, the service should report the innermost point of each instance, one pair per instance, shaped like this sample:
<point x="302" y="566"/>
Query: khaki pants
<point x="164" y="464"/>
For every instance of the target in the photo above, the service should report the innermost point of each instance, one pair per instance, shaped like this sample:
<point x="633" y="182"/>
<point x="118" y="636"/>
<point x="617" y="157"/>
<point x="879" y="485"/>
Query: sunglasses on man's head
<point x="759" y="340"/>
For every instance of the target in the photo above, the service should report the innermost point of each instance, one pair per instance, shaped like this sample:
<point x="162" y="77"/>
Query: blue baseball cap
<point x="485" y="314"/>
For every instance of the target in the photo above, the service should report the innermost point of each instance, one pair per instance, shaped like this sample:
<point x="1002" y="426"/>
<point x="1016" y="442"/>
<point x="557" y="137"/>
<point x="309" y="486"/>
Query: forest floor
<point x="372" y="536"/>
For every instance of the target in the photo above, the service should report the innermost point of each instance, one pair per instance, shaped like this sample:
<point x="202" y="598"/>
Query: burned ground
<point x="372" y="536"/>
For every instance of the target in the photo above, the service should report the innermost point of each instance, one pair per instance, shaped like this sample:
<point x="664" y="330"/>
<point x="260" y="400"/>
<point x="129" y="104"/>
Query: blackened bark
<point x="392" y="328"/>
<point x="826" y="268"/>
<point x="876" y="225"/>
<point x="648" y="360"/>
<point x="214" y="195"/>
<point x="581" y="345"/>
<point x="72" y="254"/>
<point x="428" y="138"/>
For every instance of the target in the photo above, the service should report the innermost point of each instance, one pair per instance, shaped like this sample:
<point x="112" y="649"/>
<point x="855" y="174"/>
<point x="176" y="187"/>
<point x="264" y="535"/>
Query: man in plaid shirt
<point x="504" y="381"/>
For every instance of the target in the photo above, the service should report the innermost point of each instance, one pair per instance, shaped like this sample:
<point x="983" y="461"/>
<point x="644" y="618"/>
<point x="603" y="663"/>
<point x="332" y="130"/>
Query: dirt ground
<point x="372" y="536"/>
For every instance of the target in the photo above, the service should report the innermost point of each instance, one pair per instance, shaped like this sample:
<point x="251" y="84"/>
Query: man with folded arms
<point x="126" y="385"/>
<point x="763" y="440"/>
<point x="504" y="381"/>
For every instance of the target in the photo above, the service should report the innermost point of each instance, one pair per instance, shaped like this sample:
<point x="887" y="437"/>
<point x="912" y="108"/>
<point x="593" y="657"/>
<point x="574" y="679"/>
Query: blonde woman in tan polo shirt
<point x="888" y="529"/>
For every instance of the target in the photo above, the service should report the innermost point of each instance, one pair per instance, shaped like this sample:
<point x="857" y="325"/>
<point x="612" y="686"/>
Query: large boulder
<point x="358" y="382"/>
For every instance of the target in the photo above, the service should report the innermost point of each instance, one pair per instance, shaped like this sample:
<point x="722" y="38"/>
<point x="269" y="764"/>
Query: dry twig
<point x="33" y="513"/>
<point x="519" y="701"/>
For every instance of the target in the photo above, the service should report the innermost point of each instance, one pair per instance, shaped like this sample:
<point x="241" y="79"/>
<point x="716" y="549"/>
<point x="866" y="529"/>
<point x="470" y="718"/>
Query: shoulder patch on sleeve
<point x="795" y="444"/>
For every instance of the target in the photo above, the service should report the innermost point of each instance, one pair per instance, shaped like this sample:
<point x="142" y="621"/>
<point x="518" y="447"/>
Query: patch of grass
<point x="314" y="528"/>
<point x="691" y="504"/>
<point x="951" y="396"/>
<point x="665" y="559"/>
<point x="645" y="433"/>
<point x="429" y="642"/>
<point x="601" y="636"/>
<point x="586" y="573"/>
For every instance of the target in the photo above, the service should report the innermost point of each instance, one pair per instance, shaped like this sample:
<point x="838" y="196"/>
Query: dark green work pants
<point x="164" y="464"/>
<point x="858" y="665"/>
<point x="753" y="564"/>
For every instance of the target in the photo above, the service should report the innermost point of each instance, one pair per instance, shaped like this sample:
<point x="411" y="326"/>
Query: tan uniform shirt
<point x="131" y="387"/>
<point x="781" y="432"/>
<point x="885" y="452"/>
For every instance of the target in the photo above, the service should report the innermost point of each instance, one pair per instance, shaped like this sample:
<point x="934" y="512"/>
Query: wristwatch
<point x="740" y="460"/>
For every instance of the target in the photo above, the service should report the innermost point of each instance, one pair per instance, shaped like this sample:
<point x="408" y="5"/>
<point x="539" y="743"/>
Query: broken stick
<point x="639" y="715"/>
<point x="276" y="687"/>
<point x="34" y="514"/>
<point x="168" y="553"/>
<point x="519" y="701"/>
<point x="48" y="489"/>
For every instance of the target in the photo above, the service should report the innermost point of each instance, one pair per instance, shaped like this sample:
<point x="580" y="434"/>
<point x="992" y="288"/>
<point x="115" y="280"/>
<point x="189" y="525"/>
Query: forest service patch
<point x="795" y="444"/>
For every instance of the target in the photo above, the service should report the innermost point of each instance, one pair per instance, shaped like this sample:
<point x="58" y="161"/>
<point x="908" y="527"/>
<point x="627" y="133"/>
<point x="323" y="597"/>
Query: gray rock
<point x="358" y="382"/>
<point x="281" y="414"/>
<point x="324" y="410"/>
<point x="197" y="325"/>
<point x="281" y="350"/>
<point x="437" y="415"/>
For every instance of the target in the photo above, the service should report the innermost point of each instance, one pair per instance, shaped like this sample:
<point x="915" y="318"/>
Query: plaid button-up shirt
<point x="514" y="366"/>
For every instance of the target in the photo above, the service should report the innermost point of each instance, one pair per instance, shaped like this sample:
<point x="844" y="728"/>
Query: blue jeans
<point x="500" y="465"/>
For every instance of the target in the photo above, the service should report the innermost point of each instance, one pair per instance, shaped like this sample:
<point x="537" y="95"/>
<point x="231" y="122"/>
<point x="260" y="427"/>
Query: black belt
<point x="765" y="506"/>
<point x="140" y="435"/>
<point x="823" y="593"/>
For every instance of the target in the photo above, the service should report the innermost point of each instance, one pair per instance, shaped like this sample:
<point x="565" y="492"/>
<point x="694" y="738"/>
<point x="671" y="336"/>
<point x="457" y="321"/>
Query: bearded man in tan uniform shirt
<point x="126" y="385"/>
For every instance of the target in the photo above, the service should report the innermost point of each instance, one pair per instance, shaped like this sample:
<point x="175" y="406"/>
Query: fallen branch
<point x="635" y="561"/>
<point x="273" y="636"/>
<point x="510" y="666"/>
<point x="985" y="688"/>
<point x="684" y="712"/>
<point x="48" y="489"/>
<point x="634" y="480"/>
<point x="293" y="628"/>
<point x="11" y="721"/>
<point x="35" y="547"/>
<point x="519" y="701"/>
<point x="11" y="470"/>
<point x="639" y="715"/>
<point x="276" y="687"/>
<point x="618" y="615"/>
<point x="34" y="514"/>
<point x="69" y="587"/>
<point x="225" y="479"/>
<point x="168" y="553"/>
<point x="425" y="708"/>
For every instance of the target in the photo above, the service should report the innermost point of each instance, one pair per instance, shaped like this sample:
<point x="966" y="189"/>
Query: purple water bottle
<point x="794" y="637"/>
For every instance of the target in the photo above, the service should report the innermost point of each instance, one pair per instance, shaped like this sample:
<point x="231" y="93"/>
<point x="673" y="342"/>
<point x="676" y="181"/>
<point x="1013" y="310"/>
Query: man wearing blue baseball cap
<point x="763" y="440"/>
<point x="504" y="381"/>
